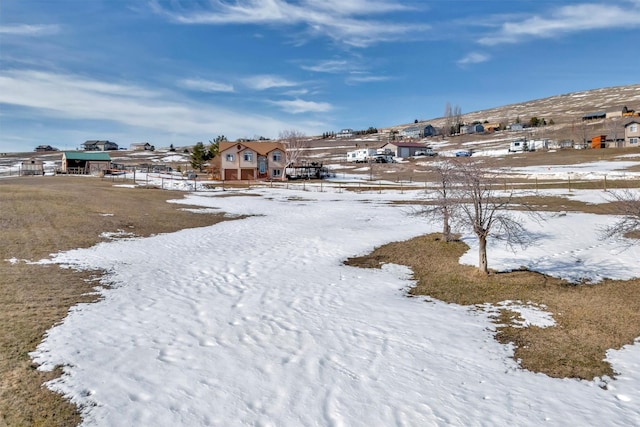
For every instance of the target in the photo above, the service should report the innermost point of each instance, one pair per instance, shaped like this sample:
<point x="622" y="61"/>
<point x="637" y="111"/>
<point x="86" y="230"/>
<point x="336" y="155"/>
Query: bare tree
<point x="612" y="129"/>
<point x="627" y="205"/>
<point x="485" y="209"/>
<point x="442" y="200"/>
<point x="448" y="119"/>
<point x="457" y="118"/>
<point x="294" y="142"/>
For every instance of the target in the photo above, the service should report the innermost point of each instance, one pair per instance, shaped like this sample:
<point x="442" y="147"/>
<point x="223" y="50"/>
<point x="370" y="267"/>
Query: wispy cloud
<point x="363" y="77"/>
<point x="344" y="21"/>
<point x="74" y="97"/>
<point x="566" y="20"/>
<point x="473" y="58"/>
<point x="29" y="30"/>
<point x="202" y="85"/>
<point x="297" y="106"/>
<point x="328" y="66"/>
<point x="264" y="82"/>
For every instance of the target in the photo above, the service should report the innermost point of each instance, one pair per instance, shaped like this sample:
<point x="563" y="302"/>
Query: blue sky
<point x="182" y="71"/>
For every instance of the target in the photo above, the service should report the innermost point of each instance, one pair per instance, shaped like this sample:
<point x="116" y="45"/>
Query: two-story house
<point x="94" y="145"/>
<point x="252" y="160"/>
<point x="632" y="134"/>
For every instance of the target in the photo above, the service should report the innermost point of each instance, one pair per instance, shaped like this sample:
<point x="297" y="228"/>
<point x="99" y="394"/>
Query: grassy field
<point x="590" y="319"/>
<point x="39" y="216"/>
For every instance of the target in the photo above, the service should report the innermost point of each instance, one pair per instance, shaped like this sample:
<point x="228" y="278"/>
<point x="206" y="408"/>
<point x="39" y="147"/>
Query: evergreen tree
<point x="198" y="156"/>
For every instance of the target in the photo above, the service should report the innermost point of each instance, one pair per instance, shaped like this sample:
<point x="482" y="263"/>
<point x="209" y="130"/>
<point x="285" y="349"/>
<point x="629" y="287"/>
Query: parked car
<point x="463" y="153"/>
<point x="426" y="152"/>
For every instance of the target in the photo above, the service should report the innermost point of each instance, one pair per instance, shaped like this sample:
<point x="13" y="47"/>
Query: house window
<point x="277" y="156"/>
<point x="633" y="128"/>
<point x="248" y="156"/>
<point x="633" y="140"/>
<point x="229" y="157"/>
<point x="276" y="173"/>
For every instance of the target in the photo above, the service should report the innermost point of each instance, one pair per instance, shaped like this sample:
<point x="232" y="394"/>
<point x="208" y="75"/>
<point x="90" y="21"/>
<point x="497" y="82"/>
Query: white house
<point x="345" y="133"/>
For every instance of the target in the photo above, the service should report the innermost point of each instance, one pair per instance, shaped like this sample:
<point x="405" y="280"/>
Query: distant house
<point x="491" y="127"/>
<point x="632" y="134"/>
<point x="411" y="132"/>
<point x="32" y="167"/>
<point x="141" y="146"/>
<point x="430" y="130"/>
<point x="44" y="148"/>
<point x="516" y="126"/>
<point x="99" y="146"/>
<point x="81" y="163"/>
<point x="345" y="133"/>
<point x="252" y="160"/>
<point x="403" y="149"/>
<point x="469" y="129"/>
<point x="595" y="115"/>
<point x="616" y="112"/>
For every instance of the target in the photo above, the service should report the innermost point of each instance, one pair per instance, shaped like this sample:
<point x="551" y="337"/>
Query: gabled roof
<point x="260" y="147"/>
<point x="81" y="155"/>
<point x="632" y="121"/>
<point x="595" y="114"/>
<point x="406" y="144"/>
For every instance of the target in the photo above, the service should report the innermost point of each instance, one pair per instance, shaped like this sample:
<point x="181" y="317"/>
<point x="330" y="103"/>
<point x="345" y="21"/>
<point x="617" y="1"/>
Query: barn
<point x="85" y="163"/>
<point x="32" y="167"/>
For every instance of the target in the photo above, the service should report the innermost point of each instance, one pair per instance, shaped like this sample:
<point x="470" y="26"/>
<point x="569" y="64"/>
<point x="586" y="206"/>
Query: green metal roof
<point x="84" y="155"/>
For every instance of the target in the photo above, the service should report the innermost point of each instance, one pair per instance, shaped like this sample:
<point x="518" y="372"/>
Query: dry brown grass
<point x="590" y="319"/>
<point x="39" y="216"/>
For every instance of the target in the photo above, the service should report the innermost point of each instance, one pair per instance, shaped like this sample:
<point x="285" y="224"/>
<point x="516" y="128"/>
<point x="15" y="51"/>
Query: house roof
<point x="406" y="144"/>
<point x="80" y="155"/>
<point x="594" y="114"/>
<point x="260" y="147"/>
<point x="412" y="129"/>
<point x="632" y="121"/>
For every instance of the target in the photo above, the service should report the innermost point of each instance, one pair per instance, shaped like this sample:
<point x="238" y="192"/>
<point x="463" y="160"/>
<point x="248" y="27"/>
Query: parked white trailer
<point x="521" y="145"/>
<point x="361" y="155"/>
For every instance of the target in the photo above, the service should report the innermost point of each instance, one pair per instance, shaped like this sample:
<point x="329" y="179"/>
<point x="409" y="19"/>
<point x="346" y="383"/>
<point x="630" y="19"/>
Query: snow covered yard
<point x="258" y="322"/>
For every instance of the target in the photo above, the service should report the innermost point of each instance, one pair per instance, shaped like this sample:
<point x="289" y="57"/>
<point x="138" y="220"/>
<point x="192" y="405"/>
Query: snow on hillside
<point x="257" y="322"/>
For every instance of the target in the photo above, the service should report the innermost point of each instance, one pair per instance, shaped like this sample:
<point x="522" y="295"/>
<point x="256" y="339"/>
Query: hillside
<point x="563" y="109"/>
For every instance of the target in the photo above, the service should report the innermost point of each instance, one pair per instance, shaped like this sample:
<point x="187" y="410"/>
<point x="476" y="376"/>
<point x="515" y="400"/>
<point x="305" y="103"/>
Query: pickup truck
<point x="426" y="152"/>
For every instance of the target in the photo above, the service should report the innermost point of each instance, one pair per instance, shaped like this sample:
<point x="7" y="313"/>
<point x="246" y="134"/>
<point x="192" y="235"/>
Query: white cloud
<point x="264" y="82"/>
<point x="29" y="30"/>
<point x="358" y="77"/>
<point x="568" y="19"/>
<point x="205" y="85"/>
<point x="328" y="66"/>
<point x="300" y="106"/>
<point x="473" y="58"/>
<point x="341" y="20"/>
<point x="144" y="111"/>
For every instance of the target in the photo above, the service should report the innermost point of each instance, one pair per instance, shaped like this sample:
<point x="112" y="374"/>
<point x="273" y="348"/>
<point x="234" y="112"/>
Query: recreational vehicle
<point x="521" y="145"/>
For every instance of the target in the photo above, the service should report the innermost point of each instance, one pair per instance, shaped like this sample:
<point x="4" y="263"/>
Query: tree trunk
<point x="482" y="252"/>
<point x="446" y="228"/>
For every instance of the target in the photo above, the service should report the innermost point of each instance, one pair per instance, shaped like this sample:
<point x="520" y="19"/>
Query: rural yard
<point x="299" y="213"/>
<point x="318" y="302"/>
